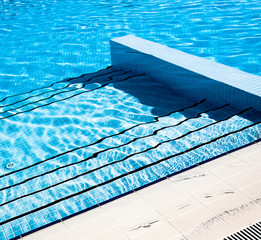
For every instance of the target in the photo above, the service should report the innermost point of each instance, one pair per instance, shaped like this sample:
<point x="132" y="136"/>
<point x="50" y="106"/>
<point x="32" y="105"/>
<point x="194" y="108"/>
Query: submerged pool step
<point x="13" y="111"/>
<point x="178" y="128"/>
<point x="107" y="77"/>
<point x="148" y="164"/>
<point x="100" y="184"/>
<point x="84" y="172"/>
<point x="79" y="161"/>
<point x="95" y="155"/>
<point x="140" y="152"/>
<point x="13" y="98"/>
<point x="155" y="120"/>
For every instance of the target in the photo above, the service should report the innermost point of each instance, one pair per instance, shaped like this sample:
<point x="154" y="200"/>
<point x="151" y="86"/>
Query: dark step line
<point x="53" y="94"/>
<point x="61" y="92"/>
<point x="60" y="100"/>
<point x="115" y="147"/>
<point x="73" y="78"/>
<point x="90" y="171"/>
<point x="67" y="85"/>
<point x="121" y="160"/>
<point x="124" y="175"/>
<point x="51" y="85"/>
<point x="156" y="119"/>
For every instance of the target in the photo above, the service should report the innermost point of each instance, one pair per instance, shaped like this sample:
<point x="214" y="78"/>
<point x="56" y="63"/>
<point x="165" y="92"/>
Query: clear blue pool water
<point x="79" y="142"/>
<point x="48" y="40"/>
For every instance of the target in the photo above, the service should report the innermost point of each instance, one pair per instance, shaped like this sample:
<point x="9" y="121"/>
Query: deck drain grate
<point x="252" y="232"/>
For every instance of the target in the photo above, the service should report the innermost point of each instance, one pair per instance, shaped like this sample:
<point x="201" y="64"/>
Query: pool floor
<point x="79" y="143"/>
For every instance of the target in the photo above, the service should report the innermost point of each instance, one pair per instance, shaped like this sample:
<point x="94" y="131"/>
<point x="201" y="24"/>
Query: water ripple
<point x="47" y="41"/>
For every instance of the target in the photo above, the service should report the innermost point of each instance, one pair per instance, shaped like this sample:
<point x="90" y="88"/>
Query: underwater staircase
<point x="140" y="152"/>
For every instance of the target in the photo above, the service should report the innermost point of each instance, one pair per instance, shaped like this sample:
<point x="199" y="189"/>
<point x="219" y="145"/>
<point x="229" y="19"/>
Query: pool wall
<point x="186" y="74"/>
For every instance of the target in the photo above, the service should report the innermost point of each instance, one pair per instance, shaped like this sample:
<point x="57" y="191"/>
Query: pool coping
<point x="191" y="76"/>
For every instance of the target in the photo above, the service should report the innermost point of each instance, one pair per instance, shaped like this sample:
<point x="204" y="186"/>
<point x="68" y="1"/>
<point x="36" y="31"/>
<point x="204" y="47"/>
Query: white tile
<point x="244" y="153"/>
<point x="130" y="210"/>
<point x="213" y="229"/>
<point x="220" y="197"/>
<point x="140" y="218"/>
<point x="89" y="224"/>
<point x="190" y="219"/>
<point x="227" y="202"/>
<point x="179" y="238"/>
<point x="258" y="201"/>
<point x="194" y="179"/>
<point x="253" y="190"/>
<point x="242" y="216"/>
<point x="114" y="233"/>
<point x="56" y="232"/>
<point x="159" y="229"/>
<point x="162" y="195"/>
<point x="253" y="158"/>
<point x="243" y="179"/>
<point x="210" y="193"/>
<point x="227" y="170"/>
<point x="178" y="206"/>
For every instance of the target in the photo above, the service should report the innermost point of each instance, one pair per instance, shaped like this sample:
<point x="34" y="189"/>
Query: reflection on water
<point x="47" y="41"/>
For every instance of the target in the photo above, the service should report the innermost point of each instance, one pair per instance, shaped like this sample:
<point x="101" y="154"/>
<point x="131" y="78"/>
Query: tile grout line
<point x="101" y="207"/>
<point x="70" y="233"/>
<point x="215" y="214"/>
<point x="222" y="180"/>
<point x="136" y="192"/>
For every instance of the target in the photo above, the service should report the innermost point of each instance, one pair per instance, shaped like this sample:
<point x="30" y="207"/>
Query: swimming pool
<point x="72" y="143"/>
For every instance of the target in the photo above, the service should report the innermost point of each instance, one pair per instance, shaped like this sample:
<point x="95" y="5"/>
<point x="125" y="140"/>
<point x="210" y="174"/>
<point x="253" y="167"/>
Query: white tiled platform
<point x="207" y="202"/>
<point x="187" y="75"/>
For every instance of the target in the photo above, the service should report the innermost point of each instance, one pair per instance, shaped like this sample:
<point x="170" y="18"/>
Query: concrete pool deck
<point x="209" y="201"/>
